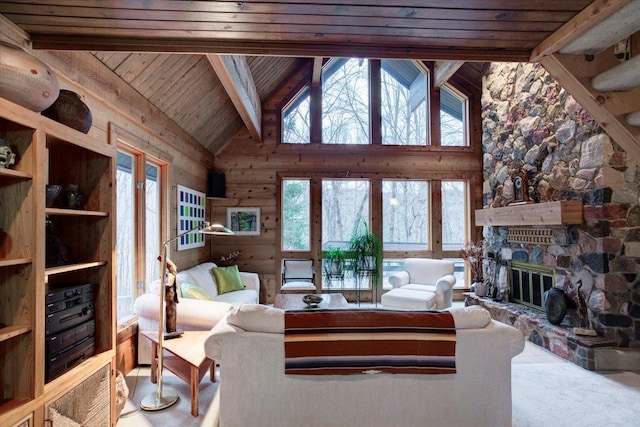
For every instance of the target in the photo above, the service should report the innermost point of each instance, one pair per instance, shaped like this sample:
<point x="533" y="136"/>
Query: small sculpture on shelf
<point x="7" y="156"/>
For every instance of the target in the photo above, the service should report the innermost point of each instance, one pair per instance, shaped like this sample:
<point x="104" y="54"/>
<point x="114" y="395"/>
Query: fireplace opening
<point x="529" y="282"/>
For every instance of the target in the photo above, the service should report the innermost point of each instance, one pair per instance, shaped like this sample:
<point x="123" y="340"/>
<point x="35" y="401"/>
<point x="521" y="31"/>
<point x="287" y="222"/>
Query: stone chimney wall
<point x="533" y="127"/>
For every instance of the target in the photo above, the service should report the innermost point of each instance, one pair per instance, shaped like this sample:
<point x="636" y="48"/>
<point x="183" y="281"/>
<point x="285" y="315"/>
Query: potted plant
<point x="334" y="260"/>
<point x="366" y="250"/>
<point x="472" y="254"/>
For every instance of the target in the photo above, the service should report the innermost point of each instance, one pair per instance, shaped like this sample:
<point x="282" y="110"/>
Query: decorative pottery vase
<point x="555" y="305"/>
<point x="481" y="289"/>
<point x="26" y="80"/>
<point x="72" y="198"/>
<point x="53" y="192"/>
<point x="69" y="110"/>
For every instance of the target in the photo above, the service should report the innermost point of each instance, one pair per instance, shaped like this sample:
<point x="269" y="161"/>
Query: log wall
<point x="252" y="172"/>
<point x="114" y="104"/>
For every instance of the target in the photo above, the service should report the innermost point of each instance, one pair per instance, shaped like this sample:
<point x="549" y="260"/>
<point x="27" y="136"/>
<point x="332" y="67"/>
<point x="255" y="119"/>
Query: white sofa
<point x="424" y="284"/>
<point x="193" y="314"/>
<point x="249" y="345"/>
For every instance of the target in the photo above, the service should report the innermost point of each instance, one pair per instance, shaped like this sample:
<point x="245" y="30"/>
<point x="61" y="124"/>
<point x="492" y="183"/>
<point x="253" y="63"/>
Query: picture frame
<point x="244" y="221"/>
<point x="191" y="214"/>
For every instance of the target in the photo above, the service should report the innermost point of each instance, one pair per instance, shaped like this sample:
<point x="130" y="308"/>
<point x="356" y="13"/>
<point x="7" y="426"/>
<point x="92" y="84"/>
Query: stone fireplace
<point x="534" y="132"/>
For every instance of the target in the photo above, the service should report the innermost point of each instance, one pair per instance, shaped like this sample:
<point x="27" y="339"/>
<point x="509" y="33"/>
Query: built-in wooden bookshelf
<point x="49" y="152"/>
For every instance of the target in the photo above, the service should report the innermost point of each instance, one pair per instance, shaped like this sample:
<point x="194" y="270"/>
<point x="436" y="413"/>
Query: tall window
<point x="453" y="116"/>
<point x="296" y="211"/>
<point x="345" y="102"/>
<point x="139" y="218"/>
<point x="296" y="120"/>
<point x="454" y="202"/>
<point x="404" y="103"/>
<point x="345" y="203"/>
<point x="405" y="215"/>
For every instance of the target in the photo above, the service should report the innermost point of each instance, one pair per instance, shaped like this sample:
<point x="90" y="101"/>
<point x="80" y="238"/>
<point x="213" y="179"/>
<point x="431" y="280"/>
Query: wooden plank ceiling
<point x="159" y="46"/>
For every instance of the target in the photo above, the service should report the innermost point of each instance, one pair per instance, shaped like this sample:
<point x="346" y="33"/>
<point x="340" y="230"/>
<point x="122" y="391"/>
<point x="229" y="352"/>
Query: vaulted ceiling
<point x="177" y="54"/>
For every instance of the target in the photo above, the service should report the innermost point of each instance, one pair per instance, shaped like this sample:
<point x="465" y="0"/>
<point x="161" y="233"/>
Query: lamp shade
<point x="217" y="229"/>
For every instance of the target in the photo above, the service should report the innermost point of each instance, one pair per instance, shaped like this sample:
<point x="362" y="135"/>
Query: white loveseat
<point x="193" y="314"/>
<point x="249" y="345"/>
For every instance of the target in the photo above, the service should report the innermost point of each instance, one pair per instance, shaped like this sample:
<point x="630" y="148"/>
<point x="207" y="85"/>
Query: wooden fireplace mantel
<point x="548" y="213"/>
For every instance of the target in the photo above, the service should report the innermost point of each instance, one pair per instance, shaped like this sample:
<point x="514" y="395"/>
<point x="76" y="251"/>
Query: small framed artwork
<point x="244" y="221"/>
<point x="191" y="214"/>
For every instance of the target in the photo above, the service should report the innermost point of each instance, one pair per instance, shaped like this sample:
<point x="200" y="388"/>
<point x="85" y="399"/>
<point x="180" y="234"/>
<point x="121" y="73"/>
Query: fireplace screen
<point x="529" y="282"/>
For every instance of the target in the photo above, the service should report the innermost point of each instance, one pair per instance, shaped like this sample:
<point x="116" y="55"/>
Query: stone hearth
<point x="559" y="339"/>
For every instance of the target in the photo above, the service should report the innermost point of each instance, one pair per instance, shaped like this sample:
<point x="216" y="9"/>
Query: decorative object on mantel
<point x="7" y="157"/>
<point x="26" y="80"/>
<point x="520" y="189"/>
<point x="69" y="110"/>
<point x="472" y="254"/>
<point x="555" y="305"/>
<point x="582" y="311"/>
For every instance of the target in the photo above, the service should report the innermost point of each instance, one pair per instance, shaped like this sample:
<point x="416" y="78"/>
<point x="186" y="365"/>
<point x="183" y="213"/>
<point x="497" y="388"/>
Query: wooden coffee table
<point x="294" y="302"/>
<point x="186" y="359"/>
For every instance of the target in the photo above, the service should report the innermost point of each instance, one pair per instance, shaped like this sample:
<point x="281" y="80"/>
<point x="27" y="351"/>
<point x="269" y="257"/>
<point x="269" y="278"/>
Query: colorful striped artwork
<point x="340" y="342"/>
<point x="191" y="214"/>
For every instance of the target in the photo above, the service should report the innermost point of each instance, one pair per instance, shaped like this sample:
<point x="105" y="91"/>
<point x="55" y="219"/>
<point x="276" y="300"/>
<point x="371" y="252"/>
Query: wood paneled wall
<point x="252" y="169"/>
<point x="113" y="102"/>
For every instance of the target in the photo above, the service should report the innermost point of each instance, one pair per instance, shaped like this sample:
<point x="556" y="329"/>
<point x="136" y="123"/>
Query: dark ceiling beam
<point x="581" y="23"/>
<point x="127" y="44"/>
<point x="235" y="76"/>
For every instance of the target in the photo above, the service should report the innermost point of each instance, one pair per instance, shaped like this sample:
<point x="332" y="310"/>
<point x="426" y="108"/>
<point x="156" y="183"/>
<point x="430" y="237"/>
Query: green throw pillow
<point x="194" y="292"/>
<point x="227" y="279"/>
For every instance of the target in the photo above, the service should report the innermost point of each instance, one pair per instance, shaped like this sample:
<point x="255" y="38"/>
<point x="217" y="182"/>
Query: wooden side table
<point x="186" y="359"/>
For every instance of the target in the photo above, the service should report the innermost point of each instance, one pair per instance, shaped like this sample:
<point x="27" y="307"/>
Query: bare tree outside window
<point x="405" y="215"/>
<point x="404" y="103"/>
<point x="296" y="210"/>
<point x="345" y="102"/>
<point x="296" y="120"/>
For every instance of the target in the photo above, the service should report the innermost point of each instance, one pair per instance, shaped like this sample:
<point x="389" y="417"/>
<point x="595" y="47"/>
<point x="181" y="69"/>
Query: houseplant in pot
<point x="334" y="261"/>
<point x="366" y="250"/>
<point x="472" y="254"/>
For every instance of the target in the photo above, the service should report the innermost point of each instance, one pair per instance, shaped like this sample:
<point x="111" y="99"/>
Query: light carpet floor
<point x="547" y="392"/>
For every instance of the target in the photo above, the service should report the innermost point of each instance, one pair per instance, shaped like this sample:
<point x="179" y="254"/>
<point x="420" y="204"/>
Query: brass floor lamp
<point x="161" y="399"/>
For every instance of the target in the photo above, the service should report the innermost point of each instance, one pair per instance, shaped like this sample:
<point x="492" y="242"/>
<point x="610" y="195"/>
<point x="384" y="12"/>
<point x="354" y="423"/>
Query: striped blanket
<point x="329" y="342"/>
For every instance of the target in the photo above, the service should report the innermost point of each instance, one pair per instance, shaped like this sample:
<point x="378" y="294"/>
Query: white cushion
<point x="427" y="271"/>
<point x="470" y="317"/>
<point x="245" y="296"/>
<point x="257" y="318"/>
<point x="202" y="276"/>
<point x="419" y="287"/>
<point x="298" y="269"/>
<point x="298" y="286"/>
<point x="409" y="299"/>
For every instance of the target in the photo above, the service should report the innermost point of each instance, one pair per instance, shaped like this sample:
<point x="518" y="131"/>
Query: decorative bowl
<point x="53" y="192"/>
<point x="312" y="300"/>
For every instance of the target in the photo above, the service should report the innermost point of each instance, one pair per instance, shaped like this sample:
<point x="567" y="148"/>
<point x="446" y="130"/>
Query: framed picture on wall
<point x="244" y="221"/>
<point x="191" y="214"/>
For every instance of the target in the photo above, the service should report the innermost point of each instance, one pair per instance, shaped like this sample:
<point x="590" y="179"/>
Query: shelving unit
<point x="49" y="152"/>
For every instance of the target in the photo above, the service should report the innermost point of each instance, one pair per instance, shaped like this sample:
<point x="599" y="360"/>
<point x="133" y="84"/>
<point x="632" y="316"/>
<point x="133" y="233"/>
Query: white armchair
<point x="426" y="275"/>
